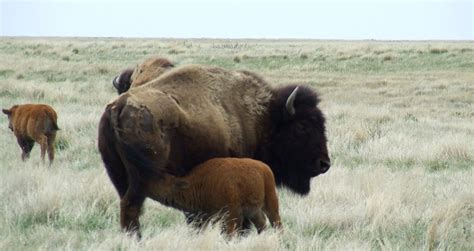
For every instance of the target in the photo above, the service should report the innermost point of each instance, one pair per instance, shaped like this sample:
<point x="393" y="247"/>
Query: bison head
<point x="143" y="73"/>
<point x="122" y="81"/>
<point x="297" y="150"/>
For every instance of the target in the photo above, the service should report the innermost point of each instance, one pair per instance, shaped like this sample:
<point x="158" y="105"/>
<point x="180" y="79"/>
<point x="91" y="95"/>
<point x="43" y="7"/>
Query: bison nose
<point x="324" y="165"/>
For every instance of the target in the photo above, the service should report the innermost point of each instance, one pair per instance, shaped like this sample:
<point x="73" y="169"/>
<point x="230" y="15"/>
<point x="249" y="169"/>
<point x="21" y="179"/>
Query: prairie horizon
<point x="400" y="129"/>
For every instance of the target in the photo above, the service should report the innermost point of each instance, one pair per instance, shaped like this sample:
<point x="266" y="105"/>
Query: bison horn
<point x="290" y="102"/>
<point x="115" y="81"/>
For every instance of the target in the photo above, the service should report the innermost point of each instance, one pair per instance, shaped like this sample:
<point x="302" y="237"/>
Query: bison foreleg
<point x="130" y="209"/>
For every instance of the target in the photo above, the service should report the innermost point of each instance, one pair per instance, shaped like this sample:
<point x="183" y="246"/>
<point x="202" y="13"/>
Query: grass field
<point x="400" y="119"/>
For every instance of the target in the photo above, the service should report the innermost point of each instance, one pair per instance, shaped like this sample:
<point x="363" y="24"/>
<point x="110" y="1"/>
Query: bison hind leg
<point x="130" y="210"/>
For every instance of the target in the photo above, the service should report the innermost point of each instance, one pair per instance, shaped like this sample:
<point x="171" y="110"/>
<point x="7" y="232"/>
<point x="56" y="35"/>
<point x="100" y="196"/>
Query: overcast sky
<point x="323" y="19"/>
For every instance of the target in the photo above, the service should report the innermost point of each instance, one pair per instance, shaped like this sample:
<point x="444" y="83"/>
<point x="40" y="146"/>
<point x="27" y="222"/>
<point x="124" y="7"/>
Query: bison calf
<point x="33" y="122"/>
<point x="238" y="187"/>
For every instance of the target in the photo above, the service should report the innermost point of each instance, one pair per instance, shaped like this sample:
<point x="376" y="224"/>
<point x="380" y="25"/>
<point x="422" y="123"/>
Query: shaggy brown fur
<point x="237" y="187"/>
<point x="33" y="122"/>
<point x="193" y="113"/>
<point x="143" y="73"/>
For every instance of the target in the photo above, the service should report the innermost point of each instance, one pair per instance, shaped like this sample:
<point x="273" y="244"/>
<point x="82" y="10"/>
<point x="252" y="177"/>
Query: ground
<point x="400" y="120"/>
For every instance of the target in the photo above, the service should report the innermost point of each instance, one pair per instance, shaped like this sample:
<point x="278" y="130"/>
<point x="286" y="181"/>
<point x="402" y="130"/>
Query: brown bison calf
<point x="238" y="187"/>
<point x="33" y="122"/>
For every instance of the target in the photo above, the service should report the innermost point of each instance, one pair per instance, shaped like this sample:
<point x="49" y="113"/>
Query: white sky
<point x="323" y="19"/>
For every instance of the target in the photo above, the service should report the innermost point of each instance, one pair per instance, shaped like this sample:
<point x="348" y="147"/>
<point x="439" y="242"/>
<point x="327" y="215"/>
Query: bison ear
<point x="6" y="111"/>
<point x="290" y="102"/>
<point x="181" y="184"/>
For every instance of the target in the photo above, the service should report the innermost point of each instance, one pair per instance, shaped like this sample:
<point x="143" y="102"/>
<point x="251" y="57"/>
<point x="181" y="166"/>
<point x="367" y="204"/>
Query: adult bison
<point x="193" y="113"/>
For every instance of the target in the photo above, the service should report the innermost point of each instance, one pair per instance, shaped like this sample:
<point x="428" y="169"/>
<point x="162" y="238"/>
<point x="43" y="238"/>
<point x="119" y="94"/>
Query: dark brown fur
<point x="33" y="123"/>
<point x="194" y="113"/>
<point x="237" y="187"/>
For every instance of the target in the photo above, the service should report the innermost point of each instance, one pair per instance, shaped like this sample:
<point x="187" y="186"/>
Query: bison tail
<point x="110" y="156"/>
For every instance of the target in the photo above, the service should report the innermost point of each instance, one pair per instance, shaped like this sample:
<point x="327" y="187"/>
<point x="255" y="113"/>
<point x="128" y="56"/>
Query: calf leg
<point x="273" y="216"/>
<point x="246" y="225"/>
<point x="51" y="139"/>
<point x="43" y="141"/>
<point x="259" y="220"/>
<point x="130" y="209"/>
<point x="233" y="221"/>
<point x="271" y="208"/>
<point x="26" y="146"/>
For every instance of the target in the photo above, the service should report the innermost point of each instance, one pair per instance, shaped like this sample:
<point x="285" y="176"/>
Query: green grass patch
<point x="7" y="93"/>
<point x="400" y="164"/>
<point x="62" y="142"/>
<point x="323" y="231"/>
<point x="6" y="73"/>
<point x="444" y="164"/>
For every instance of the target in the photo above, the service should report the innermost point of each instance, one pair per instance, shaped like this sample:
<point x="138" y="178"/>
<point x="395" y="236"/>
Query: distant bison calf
<point x="33" y="122"/>
<point x="239" y="188"/>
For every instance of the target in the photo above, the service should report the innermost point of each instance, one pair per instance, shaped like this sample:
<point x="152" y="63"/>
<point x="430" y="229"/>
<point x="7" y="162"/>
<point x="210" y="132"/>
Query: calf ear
<point x="6" y="111"/>
<point x="181" y="184"/>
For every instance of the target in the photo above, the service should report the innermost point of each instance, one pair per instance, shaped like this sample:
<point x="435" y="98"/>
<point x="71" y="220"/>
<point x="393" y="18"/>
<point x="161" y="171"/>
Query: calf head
<point x="297" y="149"/>
<point x="9" y="113"/>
